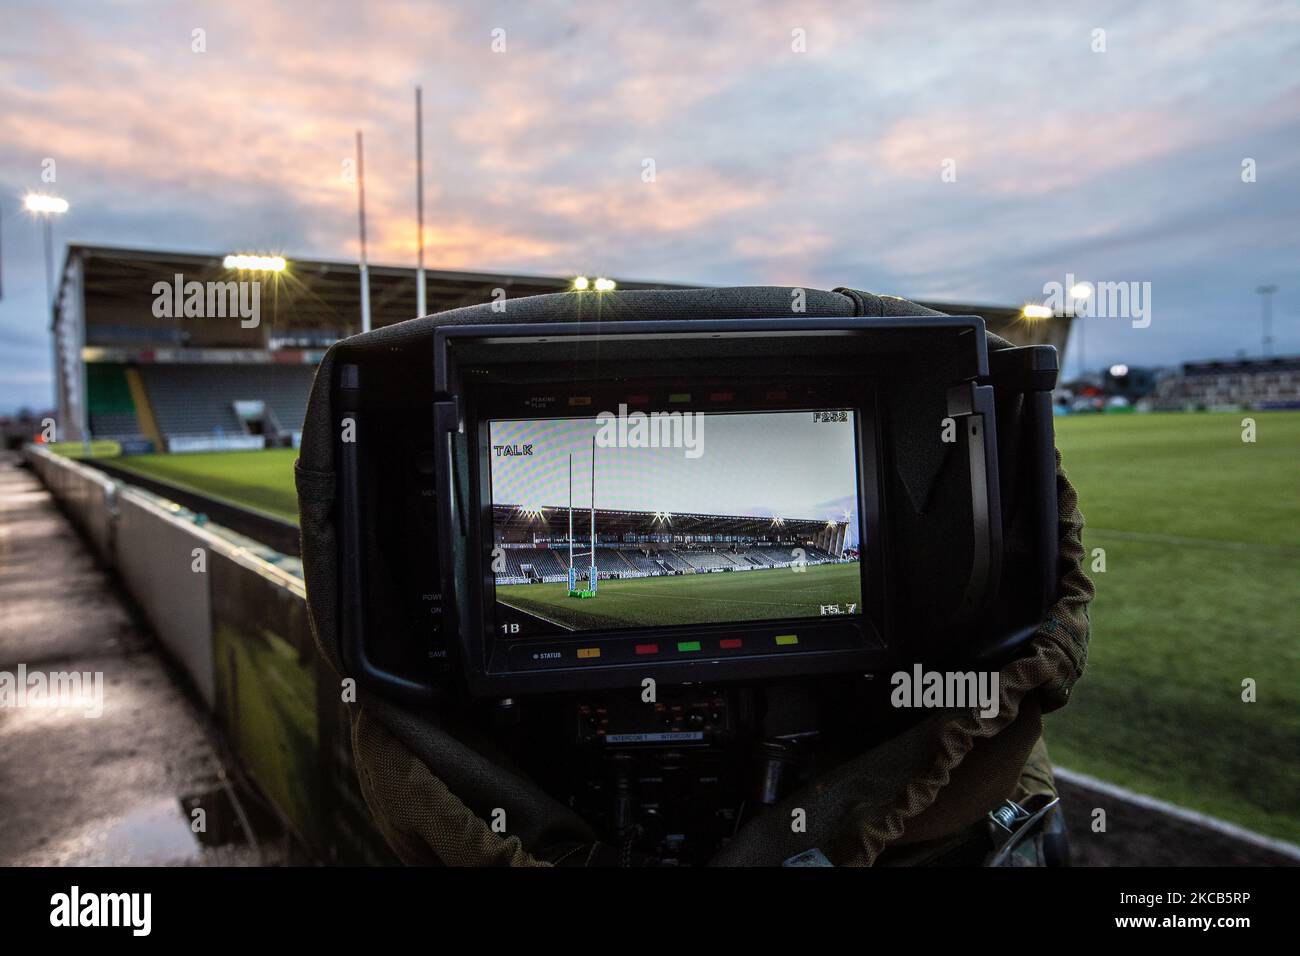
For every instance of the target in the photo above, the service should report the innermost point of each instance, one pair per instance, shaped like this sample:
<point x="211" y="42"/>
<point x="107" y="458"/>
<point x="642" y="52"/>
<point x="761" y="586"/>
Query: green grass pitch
<point x="256" y="479"/>
<point x="692" y="598"/>
<point x="1201" y="534"/>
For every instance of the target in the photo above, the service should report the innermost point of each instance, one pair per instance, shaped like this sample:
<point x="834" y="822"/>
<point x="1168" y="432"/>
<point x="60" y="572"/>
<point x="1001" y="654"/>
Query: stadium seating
<point x="611" y="561"/>
<point x="525" y="565"/>
<point x="528" y="564"/>
<point x="777" y="557"/>
<point x="548" y="562"/>
<point x="1271" y="383"/>
<point x="198" y="399"/>
<point x="642" y="562"/>
<point x="514" y="565"/>
<point x="112" y="410"/>
<point x="707" y="560"/>
<point x="113" y="425"/>
<point x="673" y="560"/>
<point x="780" y="557"/>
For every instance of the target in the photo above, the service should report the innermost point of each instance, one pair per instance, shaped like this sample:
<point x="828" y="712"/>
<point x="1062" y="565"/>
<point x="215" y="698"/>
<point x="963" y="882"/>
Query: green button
<point x="688" y="645"/>
<point x="784" y="640"/>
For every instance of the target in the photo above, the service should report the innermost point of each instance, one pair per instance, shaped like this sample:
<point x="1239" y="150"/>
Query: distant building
<point x="18" y="429"/>
<point x="1261" y="384"/>
<point x="1129" y="382"/>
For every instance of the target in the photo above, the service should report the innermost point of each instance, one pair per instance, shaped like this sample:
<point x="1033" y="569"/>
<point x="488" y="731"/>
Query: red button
<point x="730" y="643"/>
<point x="647" y="648"/>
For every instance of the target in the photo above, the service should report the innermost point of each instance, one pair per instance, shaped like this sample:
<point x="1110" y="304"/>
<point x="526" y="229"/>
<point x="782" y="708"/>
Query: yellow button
<point x="588" y="652"/>
<point x="783" y="640"/>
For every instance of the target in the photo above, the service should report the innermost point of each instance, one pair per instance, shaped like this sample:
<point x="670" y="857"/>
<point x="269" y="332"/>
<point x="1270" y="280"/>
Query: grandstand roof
<point x="105" y="312"/>
<point x="316" y="295"/>
<point x="517" y="518"/>
<point x="311" y="295"/>
<point x="1284" y="363"/>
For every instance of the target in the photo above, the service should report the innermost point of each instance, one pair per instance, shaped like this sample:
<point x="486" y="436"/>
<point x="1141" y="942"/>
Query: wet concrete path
<point x="119" y="788"/>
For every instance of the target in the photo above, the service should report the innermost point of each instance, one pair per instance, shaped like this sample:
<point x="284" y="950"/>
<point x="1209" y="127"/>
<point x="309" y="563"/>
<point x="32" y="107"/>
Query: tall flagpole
<point x="361" y="220"/>
<point x="419" y="203"/>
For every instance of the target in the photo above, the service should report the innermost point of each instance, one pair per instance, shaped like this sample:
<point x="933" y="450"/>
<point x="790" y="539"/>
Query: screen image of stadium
<point x="683" y="518"/>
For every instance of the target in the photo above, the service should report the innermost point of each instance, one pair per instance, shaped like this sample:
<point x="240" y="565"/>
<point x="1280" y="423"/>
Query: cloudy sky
<point x="815" y="168"/>
<point x="807" y="468"/>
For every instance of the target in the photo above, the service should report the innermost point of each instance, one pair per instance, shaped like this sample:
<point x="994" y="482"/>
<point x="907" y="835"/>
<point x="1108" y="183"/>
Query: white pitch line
<point x="525" y="610"/>
<point x="1281" y="847"/>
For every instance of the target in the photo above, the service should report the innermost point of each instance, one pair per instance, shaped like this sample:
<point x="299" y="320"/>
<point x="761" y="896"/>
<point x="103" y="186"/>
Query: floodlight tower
<point x="47" y="207"/>
<point x="361" y="226"/>
<point x="419" y="203"/>
<point x="1266" y="304"/>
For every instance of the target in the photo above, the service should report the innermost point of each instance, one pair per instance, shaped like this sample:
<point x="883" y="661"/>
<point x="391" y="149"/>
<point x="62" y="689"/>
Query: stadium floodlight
<point x="580" y="283"/>
<point x="1081" y="290"/>
<point x="253" y="263"/>
<point x="1036" y="312"/>
<point x="1119" y="371"/>
<point x="39" y="203"/>
<point x="47" y="207"/>
<point x="1265" y="293"/>
<point x="605" y="285"/>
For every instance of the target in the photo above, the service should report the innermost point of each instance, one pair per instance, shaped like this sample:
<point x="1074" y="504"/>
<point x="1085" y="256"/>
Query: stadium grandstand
<point x="174" y="383"/>
<point x="534" y="543"/>
<point x="1260" y="384"/>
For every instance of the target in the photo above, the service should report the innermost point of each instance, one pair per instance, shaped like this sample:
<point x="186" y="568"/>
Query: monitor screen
<point x="630" y="520"/>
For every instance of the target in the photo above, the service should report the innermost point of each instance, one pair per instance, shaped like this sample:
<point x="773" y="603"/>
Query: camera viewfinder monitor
<point x="689" y="500"/>
<point x="647" y="520"/>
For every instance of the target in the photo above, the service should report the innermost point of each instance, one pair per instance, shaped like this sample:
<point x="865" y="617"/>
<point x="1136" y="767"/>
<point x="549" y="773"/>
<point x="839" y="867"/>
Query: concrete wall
<point x="86" y="494"/>
<point x="155" y="547"/>
<point x="239" y="629"/>
<point x="157" y="554"/>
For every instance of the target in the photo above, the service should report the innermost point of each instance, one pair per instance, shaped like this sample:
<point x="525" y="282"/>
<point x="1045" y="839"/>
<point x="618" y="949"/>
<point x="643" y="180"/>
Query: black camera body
<point x="665" y="567"/>
<point x="941" y="550"/>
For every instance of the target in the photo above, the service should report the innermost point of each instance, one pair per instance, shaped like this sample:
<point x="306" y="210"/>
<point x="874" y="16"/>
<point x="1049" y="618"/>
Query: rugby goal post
<point x="592" y="574"/>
